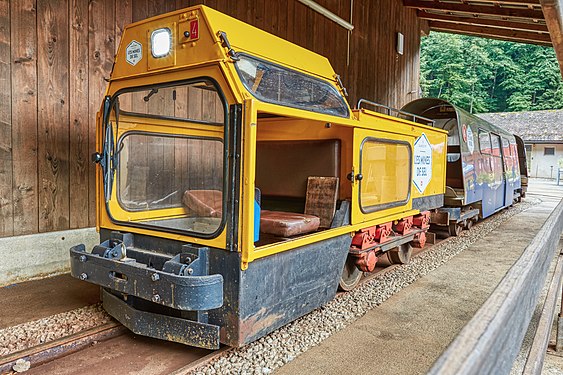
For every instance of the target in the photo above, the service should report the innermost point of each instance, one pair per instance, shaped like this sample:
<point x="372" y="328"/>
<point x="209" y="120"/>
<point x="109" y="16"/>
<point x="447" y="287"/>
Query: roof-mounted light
<point x="161" y="42"/>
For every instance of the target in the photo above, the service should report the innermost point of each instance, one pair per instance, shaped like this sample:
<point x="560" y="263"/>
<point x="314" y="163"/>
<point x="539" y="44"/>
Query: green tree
<point x="485" y="75"/>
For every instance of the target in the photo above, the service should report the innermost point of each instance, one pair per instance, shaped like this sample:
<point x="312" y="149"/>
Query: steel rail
<point x="490" y="342"/>
<point x="62" y="347"/>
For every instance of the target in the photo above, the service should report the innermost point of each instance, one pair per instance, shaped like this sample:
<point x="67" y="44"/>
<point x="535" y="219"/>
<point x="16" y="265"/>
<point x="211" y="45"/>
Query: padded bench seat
<point x="287" y="224"/>
<point x="208" y="203"/>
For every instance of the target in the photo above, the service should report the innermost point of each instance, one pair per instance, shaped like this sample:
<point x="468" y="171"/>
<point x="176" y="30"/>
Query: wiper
<point x="151" y="93"/>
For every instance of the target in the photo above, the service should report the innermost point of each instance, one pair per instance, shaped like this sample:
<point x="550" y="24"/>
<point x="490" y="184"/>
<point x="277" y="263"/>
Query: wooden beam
<point x="553" y="10"/>
<point x="476" y="21"/>
<point x="475" y="9"/>
<point x="489" y="32"/>
<point x="528" y="3"/>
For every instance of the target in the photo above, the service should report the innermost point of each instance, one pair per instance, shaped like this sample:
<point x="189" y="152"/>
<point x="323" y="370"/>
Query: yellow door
<point x="381" y="181"/>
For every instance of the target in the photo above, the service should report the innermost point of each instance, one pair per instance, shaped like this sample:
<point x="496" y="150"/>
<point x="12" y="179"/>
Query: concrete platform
<point x="407" y="333"/>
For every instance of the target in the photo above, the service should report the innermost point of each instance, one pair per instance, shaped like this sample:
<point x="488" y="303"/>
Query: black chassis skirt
<point x="270" y="293"/>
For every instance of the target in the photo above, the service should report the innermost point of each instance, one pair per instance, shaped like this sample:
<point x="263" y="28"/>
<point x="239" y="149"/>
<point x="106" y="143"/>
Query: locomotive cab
<point x="236" y="188"/>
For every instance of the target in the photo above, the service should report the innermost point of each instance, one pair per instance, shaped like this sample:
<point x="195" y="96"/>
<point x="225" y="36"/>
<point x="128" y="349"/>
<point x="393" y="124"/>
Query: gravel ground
<point x="282" y="346"/>
<point x="29" y="334"/>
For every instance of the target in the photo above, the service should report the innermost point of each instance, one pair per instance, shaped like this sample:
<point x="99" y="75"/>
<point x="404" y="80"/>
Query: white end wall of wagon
<point x="36" y="255"/>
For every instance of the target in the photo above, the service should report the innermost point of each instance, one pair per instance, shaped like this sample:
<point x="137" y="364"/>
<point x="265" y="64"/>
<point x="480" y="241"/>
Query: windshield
<point x="169" y="157"/>
<point x="279" y="85"/>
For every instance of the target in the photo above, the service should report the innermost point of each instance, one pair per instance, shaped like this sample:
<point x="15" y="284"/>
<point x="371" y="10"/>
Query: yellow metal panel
<point x="385" y="168"/>
<point x="164" y="61"/>
<point x="246" y="38"/>
<point x="376" y="185"/>
<point x="200" y="51"/>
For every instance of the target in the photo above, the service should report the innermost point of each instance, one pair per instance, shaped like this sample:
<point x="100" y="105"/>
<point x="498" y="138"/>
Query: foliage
<point x="485" y="75"/>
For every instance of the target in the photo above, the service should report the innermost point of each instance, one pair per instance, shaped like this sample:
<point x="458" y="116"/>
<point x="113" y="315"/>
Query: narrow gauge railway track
<point x="59" y="355"/>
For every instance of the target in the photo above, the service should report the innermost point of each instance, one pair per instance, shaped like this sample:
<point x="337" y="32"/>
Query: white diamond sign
<point x="134" y="52"/>
<point x="422" y="163"/>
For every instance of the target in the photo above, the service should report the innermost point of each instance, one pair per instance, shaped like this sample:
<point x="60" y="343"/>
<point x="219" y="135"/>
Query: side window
<point x="484" y="142"/>
<point x="506" y="147"/>
<point x="495" y="145"/>
<point x="386" y="169"/>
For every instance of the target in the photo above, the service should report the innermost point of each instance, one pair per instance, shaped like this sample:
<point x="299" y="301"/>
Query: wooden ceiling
<point x="526" y="21"/>
<point x="512" y="20"/>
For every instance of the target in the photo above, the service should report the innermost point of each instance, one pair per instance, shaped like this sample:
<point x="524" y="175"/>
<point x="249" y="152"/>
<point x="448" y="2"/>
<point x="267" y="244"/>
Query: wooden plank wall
<point x="56" y="54"/>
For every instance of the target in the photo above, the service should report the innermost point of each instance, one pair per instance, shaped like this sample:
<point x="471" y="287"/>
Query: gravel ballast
<point x="282" y="346"/>
<point x="26" y="335"/>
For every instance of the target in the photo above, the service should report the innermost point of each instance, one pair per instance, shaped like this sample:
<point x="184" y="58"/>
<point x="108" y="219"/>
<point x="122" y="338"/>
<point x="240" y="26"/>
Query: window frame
<point x="382" y="206"/>
<point x="153" y="134"/>
<point x="499" y="139"/>
<point x="226" y="164"/>
<point x="285" y="104"/>
<point x="172" y="84"/>
<point x="479" y="132"/>
<point x="548" y="148"/>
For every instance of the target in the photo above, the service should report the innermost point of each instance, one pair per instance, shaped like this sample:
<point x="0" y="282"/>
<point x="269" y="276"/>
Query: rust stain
<point x="256" y="323"/>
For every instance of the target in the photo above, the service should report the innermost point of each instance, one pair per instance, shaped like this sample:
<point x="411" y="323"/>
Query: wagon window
<point x="275" y="84"/>
<point x="386" y="170"/>
<point x="495" y="145"/>
<point x="506" y="147"/>
<point x="484" y="142"/>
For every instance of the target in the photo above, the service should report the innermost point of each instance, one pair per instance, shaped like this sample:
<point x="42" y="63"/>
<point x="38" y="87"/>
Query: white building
<point x="542" y="132"/>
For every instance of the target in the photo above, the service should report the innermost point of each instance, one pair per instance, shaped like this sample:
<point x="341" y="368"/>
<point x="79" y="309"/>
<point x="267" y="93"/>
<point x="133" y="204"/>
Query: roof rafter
<point x="494" y="33"/>
<point x="475" y="9"/>
<point x="477" y="21"/>
<point x="510" y="2"/>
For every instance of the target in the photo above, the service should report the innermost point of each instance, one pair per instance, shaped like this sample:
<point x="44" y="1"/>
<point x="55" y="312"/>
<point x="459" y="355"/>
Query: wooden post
<point x="553" y="14"/>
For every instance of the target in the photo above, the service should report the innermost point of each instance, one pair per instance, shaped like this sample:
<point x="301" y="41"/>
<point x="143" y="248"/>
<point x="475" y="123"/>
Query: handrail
<point x="398" y="111"/>
<point x="491" y="341"/>
<point x="536" y="356"/>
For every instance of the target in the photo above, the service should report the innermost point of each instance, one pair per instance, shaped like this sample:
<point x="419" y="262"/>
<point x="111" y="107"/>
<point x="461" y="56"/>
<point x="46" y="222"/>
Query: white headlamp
<point x="161" y="42"/>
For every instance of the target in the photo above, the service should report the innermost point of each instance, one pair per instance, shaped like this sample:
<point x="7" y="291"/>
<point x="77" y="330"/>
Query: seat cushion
<point x="204" y="203"/>
<point x="287" y="224"/>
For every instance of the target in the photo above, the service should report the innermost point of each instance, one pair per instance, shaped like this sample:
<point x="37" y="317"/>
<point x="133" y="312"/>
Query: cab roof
<point x="241" y="36"/>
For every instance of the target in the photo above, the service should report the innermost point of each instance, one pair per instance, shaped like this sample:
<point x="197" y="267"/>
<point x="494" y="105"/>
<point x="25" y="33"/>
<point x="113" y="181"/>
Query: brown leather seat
<point x="208" y="203"/>
<point x="204" y="203"/>
<point x="287" y="224"/>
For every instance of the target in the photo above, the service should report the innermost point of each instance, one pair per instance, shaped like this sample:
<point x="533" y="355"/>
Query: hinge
<point x="339" y="81"/>
<point x="225" y="43"/>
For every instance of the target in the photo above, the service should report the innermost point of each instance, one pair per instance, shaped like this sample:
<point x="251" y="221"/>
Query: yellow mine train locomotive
<point x="237" y="190"/>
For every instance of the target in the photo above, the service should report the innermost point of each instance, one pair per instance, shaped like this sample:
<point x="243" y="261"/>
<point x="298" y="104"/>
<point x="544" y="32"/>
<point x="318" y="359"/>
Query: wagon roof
<point x="542" y="126"/>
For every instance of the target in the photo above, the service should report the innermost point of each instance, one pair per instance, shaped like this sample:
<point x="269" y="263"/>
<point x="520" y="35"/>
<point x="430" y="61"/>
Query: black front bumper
<point x="127" y="281"/>
<point x="127" y="276"/>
